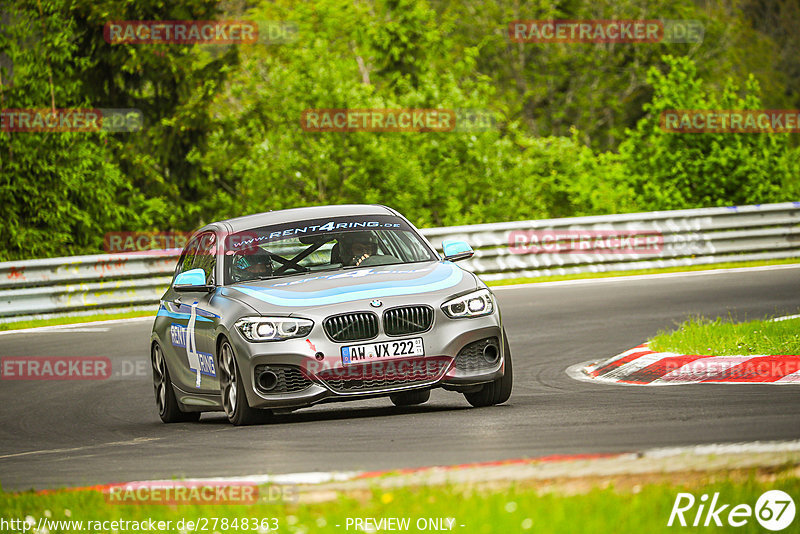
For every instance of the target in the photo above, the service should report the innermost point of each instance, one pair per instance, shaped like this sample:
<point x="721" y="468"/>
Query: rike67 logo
<point x="774" y="510"/>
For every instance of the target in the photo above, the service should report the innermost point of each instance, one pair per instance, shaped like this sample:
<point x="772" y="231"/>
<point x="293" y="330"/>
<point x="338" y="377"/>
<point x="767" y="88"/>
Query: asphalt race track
<point x="56" y="433"/>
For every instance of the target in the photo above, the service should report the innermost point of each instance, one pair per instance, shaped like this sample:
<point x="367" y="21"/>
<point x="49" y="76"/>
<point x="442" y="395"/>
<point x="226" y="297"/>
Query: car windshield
<point x="321" y="245"/>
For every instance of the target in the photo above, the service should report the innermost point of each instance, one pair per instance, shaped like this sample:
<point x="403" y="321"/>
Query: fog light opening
<point x="267" y="380"/>
<point x="491" y="354"/>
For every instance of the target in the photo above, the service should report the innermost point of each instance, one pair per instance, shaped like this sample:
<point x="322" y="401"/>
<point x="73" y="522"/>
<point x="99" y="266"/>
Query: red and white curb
<point x="641" y="366"/>
<point x="321" y="486"/>
<point x="318" y="478"/>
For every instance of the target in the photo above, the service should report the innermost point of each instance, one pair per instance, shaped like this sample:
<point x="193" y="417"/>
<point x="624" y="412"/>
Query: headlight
<point x="273" y="328"/>
<point x="472" y="305"/>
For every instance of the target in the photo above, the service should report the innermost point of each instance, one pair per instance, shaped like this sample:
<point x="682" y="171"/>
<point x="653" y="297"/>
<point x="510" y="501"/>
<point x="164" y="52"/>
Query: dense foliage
<point x="577" y="125"/>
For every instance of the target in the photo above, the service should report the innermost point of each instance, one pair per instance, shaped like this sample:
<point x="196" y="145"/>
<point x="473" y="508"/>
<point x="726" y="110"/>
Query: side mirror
<point x="192" y="280"/>
<point x="456" y="250"/>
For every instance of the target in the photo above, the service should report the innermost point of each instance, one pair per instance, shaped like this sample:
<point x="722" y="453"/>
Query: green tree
<point x="690" y="170"/>
<point x="353" y="55"/>
<point x="599" y="88"/>
<point x="174" y="86"/>
<point x="59" y="192"/>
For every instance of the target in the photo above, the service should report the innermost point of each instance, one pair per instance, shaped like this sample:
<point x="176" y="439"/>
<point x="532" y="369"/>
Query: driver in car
<point x="357" y="247"/>
<point x="250" y="264"/>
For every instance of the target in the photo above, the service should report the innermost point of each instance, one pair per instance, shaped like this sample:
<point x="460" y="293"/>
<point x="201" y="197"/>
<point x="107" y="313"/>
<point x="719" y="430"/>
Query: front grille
<point x="351" y="326"/>
<point x="407" y="320"/>
<point x="290" y="379"/>
<point x="470" y="358"/>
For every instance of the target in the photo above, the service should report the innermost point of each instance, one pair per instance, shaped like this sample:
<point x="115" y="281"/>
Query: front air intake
<point x="479" y="355"/>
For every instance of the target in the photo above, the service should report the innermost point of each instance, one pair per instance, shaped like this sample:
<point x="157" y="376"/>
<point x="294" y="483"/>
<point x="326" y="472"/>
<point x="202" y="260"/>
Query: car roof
<point x="258" y="220"/>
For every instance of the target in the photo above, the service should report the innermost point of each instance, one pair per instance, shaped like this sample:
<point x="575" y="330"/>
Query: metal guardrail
<point x="83" y="284"/>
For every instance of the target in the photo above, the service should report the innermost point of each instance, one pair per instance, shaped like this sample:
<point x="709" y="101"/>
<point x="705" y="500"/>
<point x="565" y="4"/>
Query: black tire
<point x="166" y="402"/>
<point x="497" y="391"/>
<point x="410" y="398"/>
<point x="231" y="388"/>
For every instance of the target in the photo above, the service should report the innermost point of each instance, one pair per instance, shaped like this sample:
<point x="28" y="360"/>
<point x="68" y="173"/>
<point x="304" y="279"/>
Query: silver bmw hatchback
<point x="277" y="311"/>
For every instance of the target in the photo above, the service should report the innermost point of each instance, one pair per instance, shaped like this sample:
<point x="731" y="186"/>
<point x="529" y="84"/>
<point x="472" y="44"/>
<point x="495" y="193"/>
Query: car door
<point x="193" y="322"/>
<point x="204" y="318"/>
<point x="177" y="321"/>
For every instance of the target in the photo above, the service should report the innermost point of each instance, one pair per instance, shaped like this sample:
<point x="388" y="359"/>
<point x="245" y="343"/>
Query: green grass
<point x="18" y="325"/>
<point x="723" y="337"/>
<point x="609" y="274"/>
<point x="510" y="509"/>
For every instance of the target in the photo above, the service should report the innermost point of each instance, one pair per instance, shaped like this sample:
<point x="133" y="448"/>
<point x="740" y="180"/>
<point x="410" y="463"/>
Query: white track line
<point x="309" y="478"/>
<point x="793" y="378"/>
<point x="88" y="326"/>
<point x="786" y="318"/>
<point x="322" y="477"/>
<point x="617" y="279"/>
<point x="613" y="279"/>
<point x="136" y="441"/>
<point x="726" y="448"/>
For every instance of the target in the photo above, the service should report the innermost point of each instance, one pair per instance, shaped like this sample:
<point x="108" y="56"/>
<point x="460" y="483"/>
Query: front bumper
<point x="327" y="379"/>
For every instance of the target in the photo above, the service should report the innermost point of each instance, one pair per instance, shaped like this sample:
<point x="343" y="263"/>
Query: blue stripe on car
<point x="442" y="277"/>
<point x="163" y="312"/>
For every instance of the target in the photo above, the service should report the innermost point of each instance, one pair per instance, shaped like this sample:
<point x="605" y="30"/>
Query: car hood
<point x="441" y="278"/>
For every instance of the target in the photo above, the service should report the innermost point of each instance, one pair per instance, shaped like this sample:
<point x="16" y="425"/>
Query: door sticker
<point x="201" y="363"/>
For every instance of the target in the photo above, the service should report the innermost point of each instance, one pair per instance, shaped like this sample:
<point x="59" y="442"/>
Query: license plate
<point x="370" y="352"/>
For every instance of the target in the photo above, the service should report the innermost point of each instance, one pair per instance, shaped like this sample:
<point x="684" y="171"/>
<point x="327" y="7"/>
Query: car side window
<point x="187" y="257"/>
<point x="206" y="257"/>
